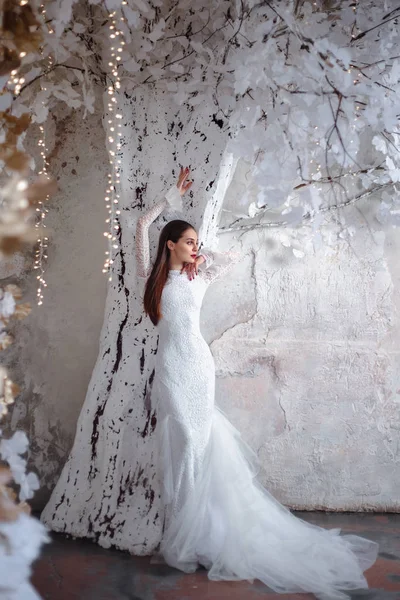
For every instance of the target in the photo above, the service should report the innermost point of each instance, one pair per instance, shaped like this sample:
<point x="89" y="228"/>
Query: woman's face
<point x="185" y="249"/>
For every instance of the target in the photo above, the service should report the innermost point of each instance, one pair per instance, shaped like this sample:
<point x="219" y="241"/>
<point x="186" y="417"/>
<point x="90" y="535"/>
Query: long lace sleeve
<point x="218" y="264"/>
<point x="142" y="249"/>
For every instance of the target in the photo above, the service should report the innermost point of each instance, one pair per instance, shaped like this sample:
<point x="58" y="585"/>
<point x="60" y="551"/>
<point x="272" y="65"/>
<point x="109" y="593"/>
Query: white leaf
<point x="253" y="210"/>
<point x="7" y="305"/>
<point x="389" y="163"/>
<point x="379" y="143"/>
<point x="132" y="16"/>
<point x="88" y="102"/>
<point x="131" y="66"/>
<point x="28" y="486"/>
<point x="156" y="71"/>
<point x="79" y="28"/>
<point x="142" y="5"/>
<point x="177" y="68"/>
<point x="157" y="31"/>
<point x="17" y="444"/>
<point x="32" y="73"/>
<point x="39" y="112"/>
<point x="298" y="253"/>
<point x="197" y="46"/>
<point x="5" y="101"/>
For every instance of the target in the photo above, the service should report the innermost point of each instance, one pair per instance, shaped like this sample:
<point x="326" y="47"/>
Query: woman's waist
<point x="179" y="328"/>
<point x="188" y="344"/>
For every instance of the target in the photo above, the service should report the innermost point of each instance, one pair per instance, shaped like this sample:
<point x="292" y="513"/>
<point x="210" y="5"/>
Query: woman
<point x="216" y="514"/>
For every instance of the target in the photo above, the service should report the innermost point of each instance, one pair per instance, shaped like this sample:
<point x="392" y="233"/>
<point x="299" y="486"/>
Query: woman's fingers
<point x="183" y="175"/>
<point x="181" y="179"/>
<point x="191" y="270"/>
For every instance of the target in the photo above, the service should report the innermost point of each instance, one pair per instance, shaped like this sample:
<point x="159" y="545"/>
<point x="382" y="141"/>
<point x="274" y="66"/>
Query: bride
<point x="216" y="513"/>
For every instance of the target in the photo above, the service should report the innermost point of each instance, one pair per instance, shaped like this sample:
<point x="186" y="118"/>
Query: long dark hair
<point x="154" y="285"/>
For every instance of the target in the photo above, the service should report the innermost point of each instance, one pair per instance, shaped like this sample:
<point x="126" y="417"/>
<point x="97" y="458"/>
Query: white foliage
<point x="298" y="253"/>
<point x="292" y="85"/>
<point x="133" y="17"/>
<point x="7" y="304"/>
<point x="131" y="66"/>
<point x="22" y="540"/>
<point x="11" y="451"/>
<point x="21" y="536"/>
<point x="5" y="101"/>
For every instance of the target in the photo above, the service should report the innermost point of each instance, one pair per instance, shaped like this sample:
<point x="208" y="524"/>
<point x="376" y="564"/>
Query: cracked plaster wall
<point x="307" y="363"/>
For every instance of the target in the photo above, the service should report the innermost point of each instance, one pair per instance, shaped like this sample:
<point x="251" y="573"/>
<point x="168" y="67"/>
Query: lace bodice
<point x="216" y="263"/>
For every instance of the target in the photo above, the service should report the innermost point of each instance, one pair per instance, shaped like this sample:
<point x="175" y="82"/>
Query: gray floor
<point x="79" y="569"/>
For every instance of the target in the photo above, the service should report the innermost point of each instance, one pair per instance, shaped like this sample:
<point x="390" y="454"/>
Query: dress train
<point x="234" y="527"/>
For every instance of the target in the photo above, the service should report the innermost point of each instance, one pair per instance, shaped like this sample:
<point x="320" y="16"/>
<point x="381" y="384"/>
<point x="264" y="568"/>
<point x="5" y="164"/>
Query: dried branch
<point x="308" y="216"/>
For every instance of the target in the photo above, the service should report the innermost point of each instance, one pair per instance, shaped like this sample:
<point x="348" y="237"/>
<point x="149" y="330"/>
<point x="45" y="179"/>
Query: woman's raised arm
<point x="142" y="250"/>
<point x="172" y="199"/>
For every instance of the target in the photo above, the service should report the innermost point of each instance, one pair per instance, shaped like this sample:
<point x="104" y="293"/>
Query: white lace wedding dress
<point x="217" y="514"/>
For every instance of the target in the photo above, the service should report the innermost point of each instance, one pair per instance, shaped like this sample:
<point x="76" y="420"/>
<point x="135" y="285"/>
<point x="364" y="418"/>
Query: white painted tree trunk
<point x="109" y="488"/>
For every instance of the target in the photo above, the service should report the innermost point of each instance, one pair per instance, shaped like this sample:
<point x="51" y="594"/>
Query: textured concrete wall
<point x="306" y="349"/>
<point x="308" y="363"/>
<point x="57" y="344"/>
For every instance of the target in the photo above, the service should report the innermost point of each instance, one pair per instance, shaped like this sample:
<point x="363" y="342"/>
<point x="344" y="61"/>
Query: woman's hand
<point x="193" y="268"/>
<point x="183" y="185"/>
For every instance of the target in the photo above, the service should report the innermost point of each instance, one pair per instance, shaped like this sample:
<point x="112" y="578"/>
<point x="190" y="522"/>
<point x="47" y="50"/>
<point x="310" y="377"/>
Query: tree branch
<point x="364" y="33"/>
<point x="307" y="216"/>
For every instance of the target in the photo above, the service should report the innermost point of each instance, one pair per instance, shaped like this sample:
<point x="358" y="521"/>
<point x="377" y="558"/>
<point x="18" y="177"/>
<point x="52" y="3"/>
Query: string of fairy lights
<point x="14" y="84"/>
<point x="114" y="117"/>
<point x="112" y="195"/>
<point x="41" y="210"/>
